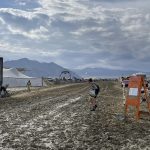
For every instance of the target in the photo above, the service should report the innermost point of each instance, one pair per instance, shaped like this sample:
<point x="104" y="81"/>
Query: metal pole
<point x="1" y="71"/>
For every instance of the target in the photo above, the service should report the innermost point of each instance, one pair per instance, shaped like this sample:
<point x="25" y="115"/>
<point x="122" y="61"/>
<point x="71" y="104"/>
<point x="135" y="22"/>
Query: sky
<point x="77" y="34"/>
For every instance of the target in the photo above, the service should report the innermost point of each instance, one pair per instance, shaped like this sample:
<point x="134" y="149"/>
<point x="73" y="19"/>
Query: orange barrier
<point x="136" y="83"/>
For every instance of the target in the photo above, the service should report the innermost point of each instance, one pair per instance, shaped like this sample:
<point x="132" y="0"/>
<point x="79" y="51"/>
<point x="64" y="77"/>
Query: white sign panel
<point x="133" y="92"/>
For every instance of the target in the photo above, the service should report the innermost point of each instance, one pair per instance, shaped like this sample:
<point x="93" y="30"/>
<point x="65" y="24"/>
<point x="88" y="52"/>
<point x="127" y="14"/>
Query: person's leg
<point x="96" y="93"/>
<point x="90" y="101"/>
<point x="93" y="103"/>
<point x="28" y="87"/>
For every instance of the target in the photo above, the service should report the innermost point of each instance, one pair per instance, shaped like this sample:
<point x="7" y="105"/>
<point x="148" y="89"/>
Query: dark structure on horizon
<point x="65" y="75"/>
<point x="1" y="71"/>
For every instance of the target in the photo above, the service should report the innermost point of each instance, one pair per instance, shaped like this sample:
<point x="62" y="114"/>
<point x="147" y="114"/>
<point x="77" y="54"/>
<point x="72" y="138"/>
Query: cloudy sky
<point x="77" y="33"/>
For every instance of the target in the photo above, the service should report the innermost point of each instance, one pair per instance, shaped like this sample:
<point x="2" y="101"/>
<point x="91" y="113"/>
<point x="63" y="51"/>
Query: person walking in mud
<point x="29" y="86"/>
<point x="93" y="92"/>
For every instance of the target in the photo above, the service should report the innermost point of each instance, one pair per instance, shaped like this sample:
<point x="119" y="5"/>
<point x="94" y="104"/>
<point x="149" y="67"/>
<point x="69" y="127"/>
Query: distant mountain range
<point x="104" y="73"/>
<point x="34" y="68"/>
<point x="37" y="69"/>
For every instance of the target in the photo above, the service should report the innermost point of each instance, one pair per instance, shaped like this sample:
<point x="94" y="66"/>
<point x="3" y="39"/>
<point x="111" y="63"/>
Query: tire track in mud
<point x="19" y="124"/>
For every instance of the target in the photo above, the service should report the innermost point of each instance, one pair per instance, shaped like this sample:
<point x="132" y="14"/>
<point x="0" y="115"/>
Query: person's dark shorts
<point x="96" y="93"/>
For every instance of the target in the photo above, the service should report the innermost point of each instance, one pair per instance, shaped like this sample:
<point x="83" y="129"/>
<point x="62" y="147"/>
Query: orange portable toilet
<point x="136" y="83"/>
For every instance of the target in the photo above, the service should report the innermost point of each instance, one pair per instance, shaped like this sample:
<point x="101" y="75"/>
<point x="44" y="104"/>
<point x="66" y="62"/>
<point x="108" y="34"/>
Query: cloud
<point x="20" y="4"/>
<point x="77" y="34"/>
<point x="27" y="24"/>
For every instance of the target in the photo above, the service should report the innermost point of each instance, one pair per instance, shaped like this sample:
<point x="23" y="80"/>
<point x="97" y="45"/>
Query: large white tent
<point x="14" y="78"/>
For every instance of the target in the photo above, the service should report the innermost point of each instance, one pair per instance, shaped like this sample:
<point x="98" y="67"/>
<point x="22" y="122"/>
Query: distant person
<point x="3" y="91"/>
<point x="93" y="92"/>
<point x="29" y="86"/>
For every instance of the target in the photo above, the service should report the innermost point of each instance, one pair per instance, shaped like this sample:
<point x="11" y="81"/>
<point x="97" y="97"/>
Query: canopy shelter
<point x="14" y="78"/>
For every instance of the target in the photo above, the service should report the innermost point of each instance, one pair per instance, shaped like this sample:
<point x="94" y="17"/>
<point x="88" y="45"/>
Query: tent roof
<point x="13" y="73"/>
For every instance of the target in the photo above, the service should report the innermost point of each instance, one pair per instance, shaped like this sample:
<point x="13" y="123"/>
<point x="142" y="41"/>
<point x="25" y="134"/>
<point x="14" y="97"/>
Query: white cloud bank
<point x="78" y="34"/>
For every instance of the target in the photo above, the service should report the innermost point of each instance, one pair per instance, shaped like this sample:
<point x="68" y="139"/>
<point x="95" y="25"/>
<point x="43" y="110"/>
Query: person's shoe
<point x="95" y="106"/>
<point x="93" y="109"/>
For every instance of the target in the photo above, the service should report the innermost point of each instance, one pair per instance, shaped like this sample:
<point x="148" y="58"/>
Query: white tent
<point x="17" y="79"/>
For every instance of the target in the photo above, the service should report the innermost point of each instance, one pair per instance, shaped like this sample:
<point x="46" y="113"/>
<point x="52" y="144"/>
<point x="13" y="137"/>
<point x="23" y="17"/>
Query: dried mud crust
<point x="60" y="118"/>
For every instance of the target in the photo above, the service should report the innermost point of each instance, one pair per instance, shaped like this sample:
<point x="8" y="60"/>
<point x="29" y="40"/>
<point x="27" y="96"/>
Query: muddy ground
<point x="60" y="118"/>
